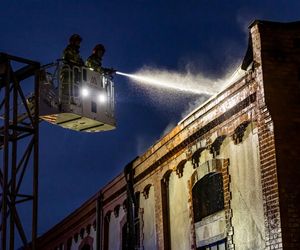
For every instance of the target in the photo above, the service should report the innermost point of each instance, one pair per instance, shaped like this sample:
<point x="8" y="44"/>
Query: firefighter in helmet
<point x="71" y="52"/>
<point x="94" y="61"/>
<point x="70" y="72"/>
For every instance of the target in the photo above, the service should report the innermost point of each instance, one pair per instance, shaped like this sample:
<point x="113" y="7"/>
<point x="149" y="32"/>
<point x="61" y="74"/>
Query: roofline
<point x="256" y="22"/>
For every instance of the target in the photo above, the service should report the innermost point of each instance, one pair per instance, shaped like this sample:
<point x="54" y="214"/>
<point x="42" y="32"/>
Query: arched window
<point x="208" y="197"/>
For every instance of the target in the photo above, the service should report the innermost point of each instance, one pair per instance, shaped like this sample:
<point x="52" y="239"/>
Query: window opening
<point x="208" y="196"/>
<point x="220" y="245"/>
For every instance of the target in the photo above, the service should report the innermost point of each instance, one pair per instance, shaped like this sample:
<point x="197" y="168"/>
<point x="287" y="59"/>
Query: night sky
<point x="202" y="36"/>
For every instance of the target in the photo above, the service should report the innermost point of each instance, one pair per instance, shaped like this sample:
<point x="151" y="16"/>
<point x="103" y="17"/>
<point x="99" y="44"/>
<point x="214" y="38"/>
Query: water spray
<point x="181" y="82"/>
<point x="168" y="80"/>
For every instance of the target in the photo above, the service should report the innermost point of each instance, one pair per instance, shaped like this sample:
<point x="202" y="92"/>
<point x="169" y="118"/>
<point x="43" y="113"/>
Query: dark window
<point x="94" y="107"/>
<point x="220" y="245"/>
<point x="208" y="196"/>
<point x="124" y="237"/>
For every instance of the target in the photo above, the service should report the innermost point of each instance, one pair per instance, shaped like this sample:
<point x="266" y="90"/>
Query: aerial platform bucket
<point x="77" y="98"/>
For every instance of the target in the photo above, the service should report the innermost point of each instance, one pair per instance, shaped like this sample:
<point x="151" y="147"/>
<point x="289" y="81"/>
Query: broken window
<point x="208" y="197"/>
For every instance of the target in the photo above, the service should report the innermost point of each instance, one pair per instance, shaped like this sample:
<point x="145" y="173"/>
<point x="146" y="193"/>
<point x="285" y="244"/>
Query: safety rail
<point x="65" y="81"/>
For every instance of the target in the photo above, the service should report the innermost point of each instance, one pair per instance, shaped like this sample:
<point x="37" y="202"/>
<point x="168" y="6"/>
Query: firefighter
<point x="71" y="52"/>
<point x="94" y="61"/>
<point x="70" y="72"/>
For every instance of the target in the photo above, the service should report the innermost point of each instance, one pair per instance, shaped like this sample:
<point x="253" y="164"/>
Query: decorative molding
<point x="179" y="168"/>
<point x="124" y="205"/>
<point x="216" y="145"/>
<point x="239" y="132"/>
<point x="192" y="138"/>
<point x="108" y="215"/>
<point x="88" y="229"/>
<point x="146" y="191"/>
<point x="81" y="233"/>
<point x="116" y="211"/>
<point x="196" y="157"/>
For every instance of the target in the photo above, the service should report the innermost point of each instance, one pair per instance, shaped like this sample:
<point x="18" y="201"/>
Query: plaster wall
<point x="148" y="218"/>
<point x="115" y="230"/>
<point x="179" y="209"/>
<point x="246" y="190"/>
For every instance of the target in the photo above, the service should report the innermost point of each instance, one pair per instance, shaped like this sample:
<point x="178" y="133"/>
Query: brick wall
<point x="269" y="97"/>
<point x="278" y="52"/>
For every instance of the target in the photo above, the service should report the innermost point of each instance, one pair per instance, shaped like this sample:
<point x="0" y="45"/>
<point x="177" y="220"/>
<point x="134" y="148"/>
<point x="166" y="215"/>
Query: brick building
<point x="225" y="177"/>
